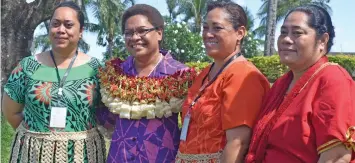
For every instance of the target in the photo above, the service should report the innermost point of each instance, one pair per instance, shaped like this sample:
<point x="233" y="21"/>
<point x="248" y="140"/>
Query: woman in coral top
<point x="225" y="98"/>
<point x="309" y="113"/>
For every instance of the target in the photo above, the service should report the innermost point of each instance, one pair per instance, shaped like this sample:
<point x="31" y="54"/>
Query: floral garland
<point x="136" y="97"/>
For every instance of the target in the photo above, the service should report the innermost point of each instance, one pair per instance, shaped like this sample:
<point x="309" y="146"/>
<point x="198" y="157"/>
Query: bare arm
<point x="337" y="154"/>
<point x="237" y="144"/>
<point x="12" y="111"/>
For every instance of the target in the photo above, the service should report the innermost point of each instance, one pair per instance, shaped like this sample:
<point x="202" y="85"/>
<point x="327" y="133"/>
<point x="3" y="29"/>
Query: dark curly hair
<point x="153" y="15"/>
<point x="318" y="19"/>
<point x="73" y="6"/>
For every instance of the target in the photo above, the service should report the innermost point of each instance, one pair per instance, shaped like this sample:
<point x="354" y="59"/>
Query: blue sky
<point x="343" y="17"/>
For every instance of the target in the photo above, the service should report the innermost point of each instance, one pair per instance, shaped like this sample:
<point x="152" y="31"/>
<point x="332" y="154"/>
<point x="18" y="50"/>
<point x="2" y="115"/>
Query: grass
<point x="6" y="139"/>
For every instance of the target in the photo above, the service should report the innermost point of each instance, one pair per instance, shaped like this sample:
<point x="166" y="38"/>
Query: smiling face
<point x="141" y="37"/>
<point x="219" y="36"/>
<point x="65" y="29"/>
<point x="298" y="46"/>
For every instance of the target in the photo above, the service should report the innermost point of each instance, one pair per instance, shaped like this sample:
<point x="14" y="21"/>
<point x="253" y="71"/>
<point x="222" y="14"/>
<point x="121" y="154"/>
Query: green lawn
<point x="6" y="139"/>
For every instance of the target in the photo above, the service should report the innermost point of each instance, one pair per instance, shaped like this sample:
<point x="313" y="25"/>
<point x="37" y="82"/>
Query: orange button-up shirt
<point x="234" y="99"/>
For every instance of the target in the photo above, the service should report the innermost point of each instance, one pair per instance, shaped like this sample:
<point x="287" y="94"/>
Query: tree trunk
<point x="110" y="45"/>
<point x="80" y="3"/>
<point x="198" y="24"/>
<point x="109" y="49"/>
<point x="271" y="27"/>
<point x="19" y="21"/>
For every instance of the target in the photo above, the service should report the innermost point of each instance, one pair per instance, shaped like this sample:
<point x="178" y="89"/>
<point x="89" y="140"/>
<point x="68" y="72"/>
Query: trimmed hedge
<point x="346" y="61"/>
<point x="197" y="65"/>
<point x="269" y="66"/>
<point x="273" y="69"/>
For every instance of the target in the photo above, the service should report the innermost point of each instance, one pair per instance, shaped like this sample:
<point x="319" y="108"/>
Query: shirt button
<point x="134" y="139"/>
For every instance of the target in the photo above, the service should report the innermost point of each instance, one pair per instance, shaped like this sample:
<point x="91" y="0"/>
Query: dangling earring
<point x="239" y="42"/>
<point x="236" y="45"/>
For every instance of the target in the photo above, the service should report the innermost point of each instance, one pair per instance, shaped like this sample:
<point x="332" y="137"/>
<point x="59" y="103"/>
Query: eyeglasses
<point x="141" y="32"/>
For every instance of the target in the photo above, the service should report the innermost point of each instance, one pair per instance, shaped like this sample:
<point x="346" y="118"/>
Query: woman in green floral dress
<point x="50" y="98"/>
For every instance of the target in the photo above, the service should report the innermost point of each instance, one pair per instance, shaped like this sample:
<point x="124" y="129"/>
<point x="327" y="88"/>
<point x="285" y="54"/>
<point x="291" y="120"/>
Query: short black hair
<point x="236" y="13"/>
<point x="73" y="6"/>
<point x="152" y="14"/>
<point x="318" y="19"/>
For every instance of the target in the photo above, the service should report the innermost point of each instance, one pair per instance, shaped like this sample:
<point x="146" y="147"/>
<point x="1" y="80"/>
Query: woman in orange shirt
<point x="225" y="98"/>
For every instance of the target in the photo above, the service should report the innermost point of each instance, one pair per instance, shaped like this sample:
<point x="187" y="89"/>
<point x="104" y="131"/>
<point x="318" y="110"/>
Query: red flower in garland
<point x="132" y="88"/>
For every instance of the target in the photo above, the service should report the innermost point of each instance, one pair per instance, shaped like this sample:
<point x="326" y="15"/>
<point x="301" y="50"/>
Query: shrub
<point x="197" y="65"/>
<point x="273" y="69"/>
<point x="346" y="61"/>
<point x="269" y="66"/>
<point x="250" y="46"/>
<point x="184" y="44"/>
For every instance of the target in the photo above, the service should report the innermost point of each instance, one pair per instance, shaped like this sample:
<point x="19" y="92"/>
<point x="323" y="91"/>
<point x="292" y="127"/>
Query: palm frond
<point x="83" y="46"/>
<point x="250" y="18"/>
<point x="129" y="3"/>
<point x="284" y="6"/>
<point x="260" y="31"/>
<point x="41" y="42"/>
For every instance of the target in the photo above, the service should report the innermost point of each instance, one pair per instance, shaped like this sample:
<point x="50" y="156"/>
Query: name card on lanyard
<point x="187" y="117"/>
<point x="59" y="111"/>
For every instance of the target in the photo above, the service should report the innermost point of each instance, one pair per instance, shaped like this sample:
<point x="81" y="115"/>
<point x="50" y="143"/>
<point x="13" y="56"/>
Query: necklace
<point x="161" y="58"/>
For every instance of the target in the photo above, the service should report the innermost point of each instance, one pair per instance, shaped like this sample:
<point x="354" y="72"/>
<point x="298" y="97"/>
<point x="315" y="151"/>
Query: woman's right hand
<point x="12" y="111"/>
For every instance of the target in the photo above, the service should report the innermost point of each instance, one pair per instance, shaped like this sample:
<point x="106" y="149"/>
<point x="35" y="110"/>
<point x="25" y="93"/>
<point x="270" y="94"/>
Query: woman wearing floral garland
<point x="143" y="93"/>
<point x="225" y="98"/>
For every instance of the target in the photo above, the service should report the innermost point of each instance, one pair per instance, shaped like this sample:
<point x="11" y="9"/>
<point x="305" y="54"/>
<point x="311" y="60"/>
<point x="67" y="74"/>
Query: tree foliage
<point x="185" y="45"/>
<point x="251" y="43"/>
<point x="108" y="14"/>
<point x="20" y="19"/>
<point x="283" y="6"/>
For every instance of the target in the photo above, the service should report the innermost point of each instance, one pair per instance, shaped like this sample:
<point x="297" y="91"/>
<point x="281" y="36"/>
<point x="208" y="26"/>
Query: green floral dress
<point x="36" y="86"/>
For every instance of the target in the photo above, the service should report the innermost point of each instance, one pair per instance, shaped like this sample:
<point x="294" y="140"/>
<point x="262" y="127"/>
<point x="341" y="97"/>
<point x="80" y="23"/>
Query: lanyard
<point x="204" y="86"/>
<point x="61" y="82"/>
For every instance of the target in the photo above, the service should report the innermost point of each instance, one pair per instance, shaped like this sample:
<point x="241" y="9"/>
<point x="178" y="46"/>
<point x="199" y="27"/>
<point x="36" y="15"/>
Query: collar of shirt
<point x="165" y="67"/>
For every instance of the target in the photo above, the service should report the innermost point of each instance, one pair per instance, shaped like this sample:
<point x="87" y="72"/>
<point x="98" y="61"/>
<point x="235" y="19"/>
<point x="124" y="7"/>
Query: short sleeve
<point x="242" y="97"/>
<point x="334" y="111"/>
<point x="16" y="84"/>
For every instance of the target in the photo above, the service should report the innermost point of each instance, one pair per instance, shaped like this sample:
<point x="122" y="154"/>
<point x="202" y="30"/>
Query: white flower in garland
<point x="139" y="97"/>
<point x="137" y="110"/>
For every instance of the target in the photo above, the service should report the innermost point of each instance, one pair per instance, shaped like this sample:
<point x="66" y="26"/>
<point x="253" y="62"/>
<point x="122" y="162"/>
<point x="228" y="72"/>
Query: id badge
<point x="58" y="117"/>
<point x="185" y="127"/>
